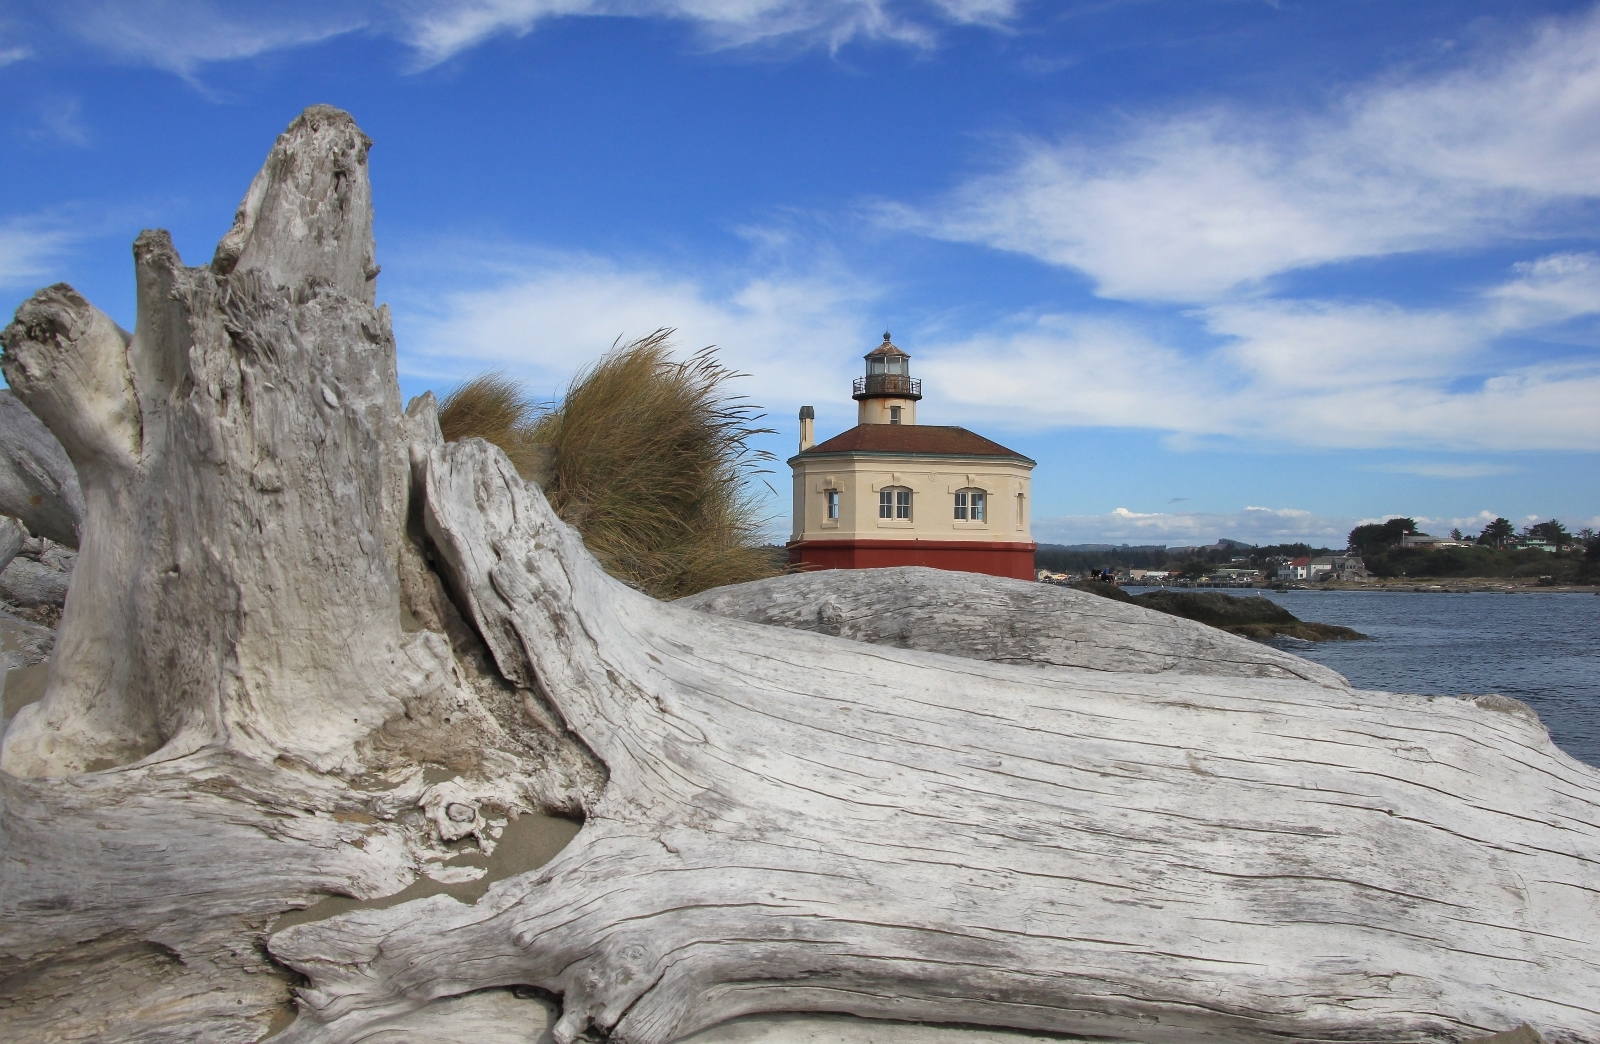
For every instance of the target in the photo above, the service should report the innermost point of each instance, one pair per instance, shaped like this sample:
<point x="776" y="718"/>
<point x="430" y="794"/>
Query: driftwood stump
<point x="313" y="650"/>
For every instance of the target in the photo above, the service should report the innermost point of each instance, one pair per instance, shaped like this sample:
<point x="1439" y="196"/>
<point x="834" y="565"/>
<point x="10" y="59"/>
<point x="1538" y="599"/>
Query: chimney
<point x="808" y="422"/>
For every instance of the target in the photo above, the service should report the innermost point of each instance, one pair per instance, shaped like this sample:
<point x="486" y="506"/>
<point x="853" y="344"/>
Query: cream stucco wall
<point x="876" y="411"/>
<point x="933" y="481"/>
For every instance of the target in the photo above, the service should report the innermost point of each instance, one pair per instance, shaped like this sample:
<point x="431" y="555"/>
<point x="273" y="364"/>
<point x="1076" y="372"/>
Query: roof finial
<point x="886" y="337"/>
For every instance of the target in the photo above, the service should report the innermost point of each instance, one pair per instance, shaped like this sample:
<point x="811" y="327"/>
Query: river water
<point x="1542" y="648"/>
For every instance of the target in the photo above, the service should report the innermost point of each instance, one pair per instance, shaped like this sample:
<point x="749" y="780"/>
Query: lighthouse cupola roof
<point x="885" y="350"/>
<point x="888" y="375"/>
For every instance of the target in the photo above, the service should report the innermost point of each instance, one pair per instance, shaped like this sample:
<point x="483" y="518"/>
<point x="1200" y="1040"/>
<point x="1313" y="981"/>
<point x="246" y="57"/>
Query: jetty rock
<point x="313" y="652"/>
<point x="1002" y="620"/>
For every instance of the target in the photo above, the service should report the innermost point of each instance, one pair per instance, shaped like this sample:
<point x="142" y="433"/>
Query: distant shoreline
<point x="1406" y="585"/>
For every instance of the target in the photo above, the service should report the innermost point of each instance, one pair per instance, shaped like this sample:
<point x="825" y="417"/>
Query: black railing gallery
<point x="888" y="384"/>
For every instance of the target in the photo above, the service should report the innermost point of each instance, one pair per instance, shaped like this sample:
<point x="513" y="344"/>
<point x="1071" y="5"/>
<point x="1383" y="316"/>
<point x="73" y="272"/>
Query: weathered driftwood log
<point x="39" y="575"/>
<point x="251" y="610"/>
<point x="37" y="483"/>
<point x="774" y="820"/>
<point x="12" y="535"/>
<point x="1007" y="621"/>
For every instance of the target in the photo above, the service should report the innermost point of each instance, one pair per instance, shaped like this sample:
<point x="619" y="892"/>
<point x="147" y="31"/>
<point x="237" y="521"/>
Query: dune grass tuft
<point x="647" y="457"/>
<point x="493" y="407"/>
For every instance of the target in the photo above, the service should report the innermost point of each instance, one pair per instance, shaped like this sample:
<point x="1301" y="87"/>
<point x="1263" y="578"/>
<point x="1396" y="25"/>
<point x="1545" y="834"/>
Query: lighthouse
<point x="892" y="492"/>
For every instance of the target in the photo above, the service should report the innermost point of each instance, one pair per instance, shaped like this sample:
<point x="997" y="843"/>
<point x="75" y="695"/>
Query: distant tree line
<point x="1499" y="550"/>
<point x="1190" y="562"/>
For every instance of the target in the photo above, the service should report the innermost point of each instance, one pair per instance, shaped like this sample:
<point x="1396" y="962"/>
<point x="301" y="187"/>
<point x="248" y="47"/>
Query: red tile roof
<point x="934" y="439"/>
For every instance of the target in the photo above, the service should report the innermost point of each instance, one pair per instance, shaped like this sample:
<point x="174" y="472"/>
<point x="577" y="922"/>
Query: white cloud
<point x="1307" y="373"/>
<point x="440" y="29"/>
<point x="28" y="249"/>
<point x="797" y="336"/>
<point x="14" y="54"/>
<point x="61" y="120"/>
<point x="1253" y="525"/>
<point x="180" y="36"/>
<point x="1188" y="207"/>
<point x="184" y="35"/>
<point x="1445" y="470"/>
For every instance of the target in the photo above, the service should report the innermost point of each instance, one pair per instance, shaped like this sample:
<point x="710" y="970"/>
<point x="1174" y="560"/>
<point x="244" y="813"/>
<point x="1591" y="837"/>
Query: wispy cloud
<point x="61" y="120"/>
<point x="544" y="318"/>
<point x="1444" y="470"/>
<point x="184" y="35"/>
<point x="1253" y="525"/>
<point x="1282" y="374"/>
<point x="14" y="54"/>
<point x="1188" y="207"/>
<point x="30" y="246"/>
<point x="1306" y="373"/>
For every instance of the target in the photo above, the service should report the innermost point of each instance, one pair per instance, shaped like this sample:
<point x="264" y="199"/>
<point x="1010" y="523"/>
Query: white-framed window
<point x="972" y="505"/>
<point x="894" y="504"/>
<point x="894" y="414"/>
<point x="830" y="501"/>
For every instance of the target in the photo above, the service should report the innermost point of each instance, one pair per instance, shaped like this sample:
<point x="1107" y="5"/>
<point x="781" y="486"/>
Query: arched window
<point x="894" y="502"/>
<point x="972" y="505"/>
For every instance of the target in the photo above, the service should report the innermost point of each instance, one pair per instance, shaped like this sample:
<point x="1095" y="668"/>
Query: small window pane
<point x="833" y="505"/>
<point x="902" y="503"/>
<point x="977" y="507"/>
<point x="886" y="503"/>
<point x="961" y="505"/>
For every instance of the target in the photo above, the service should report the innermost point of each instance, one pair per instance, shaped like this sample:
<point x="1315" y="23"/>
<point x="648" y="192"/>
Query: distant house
<point x="1539" y="545"/>
<point x="1337" y="567"/>
<point x="1295" y="569"/>
<point x="1431" y="543"/>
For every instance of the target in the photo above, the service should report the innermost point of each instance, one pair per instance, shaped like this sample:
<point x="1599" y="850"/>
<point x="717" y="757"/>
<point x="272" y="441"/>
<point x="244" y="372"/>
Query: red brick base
<point x="968" y="556"/>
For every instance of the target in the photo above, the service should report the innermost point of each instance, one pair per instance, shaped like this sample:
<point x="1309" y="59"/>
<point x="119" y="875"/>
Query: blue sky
<point x="1224" y="268"/>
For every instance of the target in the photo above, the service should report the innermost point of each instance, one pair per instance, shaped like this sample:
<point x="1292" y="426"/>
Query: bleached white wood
<point x="999" y="619"/>
<point x="37" y="483"/>
<point x="35" y="578"/>
<point x="798" y="822"/>
<point x="12" y="536"/>
<point x="776" y="820"/>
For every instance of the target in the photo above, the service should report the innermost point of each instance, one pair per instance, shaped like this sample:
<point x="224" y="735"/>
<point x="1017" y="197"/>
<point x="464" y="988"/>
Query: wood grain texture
<point x="1003" y="620"/>
<point x="798" y="822"/>
<point x="38" y="485"/>
<point x="338" y="674"/>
